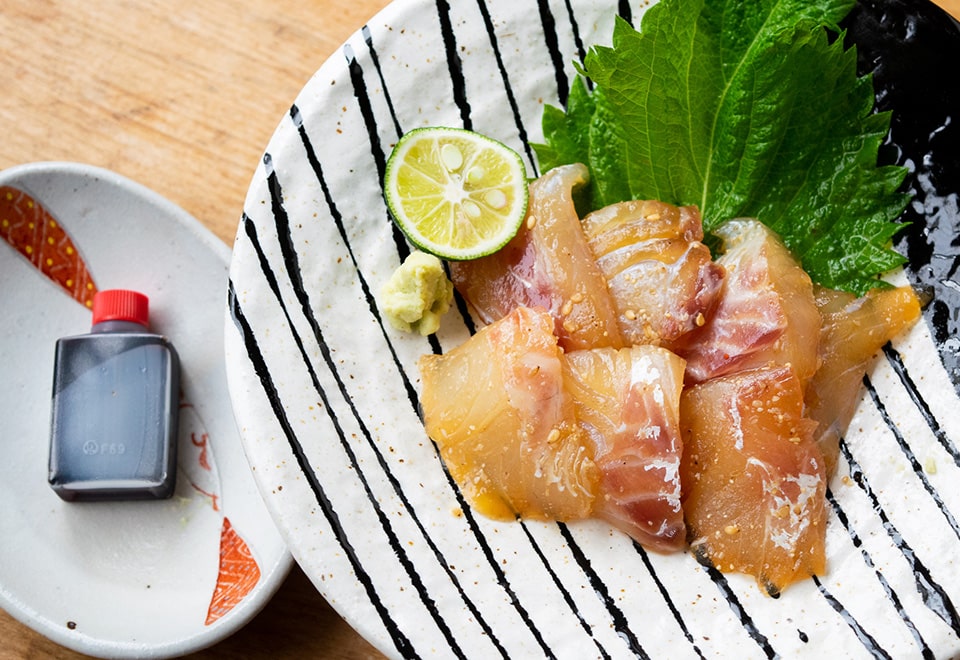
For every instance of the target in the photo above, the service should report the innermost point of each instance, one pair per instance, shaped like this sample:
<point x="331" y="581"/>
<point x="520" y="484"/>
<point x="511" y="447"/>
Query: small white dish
<point x="146" y="579"/>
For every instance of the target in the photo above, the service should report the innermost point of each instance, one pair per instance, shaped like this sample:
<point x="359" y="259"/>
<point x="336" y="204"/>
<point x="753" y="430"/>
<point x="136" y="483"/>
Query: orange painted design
<point x="202" y="445"/>
<point x="37" y="235"/>
<point x="213" y="497"/>
<point x="238" y="569"/>
<point x="239" y="573"/>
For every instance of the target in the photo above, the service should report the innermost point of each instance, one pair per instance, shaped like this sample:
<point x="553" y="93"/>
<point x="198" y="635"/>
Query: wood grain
<point x="181" y="96"/>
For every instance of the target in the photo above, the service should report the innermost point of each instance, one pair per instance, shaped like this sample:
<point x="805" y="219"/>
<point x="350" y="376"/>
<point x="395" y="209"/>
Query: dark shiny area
<point x="912" y="48"/>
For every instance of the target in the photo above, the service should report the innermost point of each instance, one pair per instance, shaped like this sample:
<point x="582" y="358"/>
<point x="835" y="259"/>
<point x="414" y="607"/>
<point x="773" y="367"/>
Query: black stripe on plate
<point x="265" y="267"/>
<point x="745" y="620"/>
<point x="454" y="65"/>
<point x="575" y="29"/>
<point x="667" y="598"/>
<point x="620" y="623"/>
<point x="271" y="278"/>
<point x="567" y="598"/>
<point x="460" y="303"/>
<point x="865" y="638"/>
<point x="375" y="60"/>
<point x="553" y="47"/>
<point x="376" y="151"/>
<point x="400" y="641"/>
<point x="337" y="217"/>
<point x="414" y="400"/>
<point x="891" y="593"/>
<point x="291" y="261"/>
<point x="551" y="37"/>
<point x="896" y="361"/>
<point x="934" y="596"/>
<point x="911" y="457"/>
<point x="463" y="309"/>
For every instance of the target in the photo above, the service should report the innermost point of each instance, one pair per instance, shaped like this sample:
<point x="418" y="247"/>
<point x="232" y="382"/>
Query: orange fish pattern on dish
<point x="238" y="574"/>
<point x="37" y="235"/>
<point x="238" y="571"/>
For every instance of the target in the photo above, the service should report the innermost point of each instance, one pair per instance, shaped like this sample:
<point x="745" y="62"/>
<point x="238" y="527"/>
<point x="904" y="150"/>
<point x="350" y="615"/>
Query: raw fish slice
<point x="754" y="481"/>
<point x="661" y="277"/>
<point x="853" y="331"/>
<point x="628" y="404"/>
<point x="506" y="427"/>
<point x="548" y="264"/>
<point x="766" y="313"/>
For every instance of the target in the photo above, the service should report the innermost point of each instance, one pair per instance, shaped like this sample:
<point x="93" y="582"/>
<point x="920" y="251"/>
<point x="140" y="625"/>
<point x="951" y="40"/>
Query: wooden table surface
<point x="181" y="96"/>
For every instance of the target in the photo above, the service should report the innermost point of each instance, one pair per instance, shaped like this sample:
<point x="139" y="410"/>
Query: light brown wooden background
<point x="181" y="96"/>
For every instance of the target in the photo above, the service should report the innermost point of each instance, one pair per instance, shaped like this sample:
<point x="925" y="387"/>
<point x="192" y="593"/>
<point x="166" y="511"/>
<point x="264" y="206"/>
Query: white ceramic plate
<point x="327" y="398"/>
<point x="145" y="579"/>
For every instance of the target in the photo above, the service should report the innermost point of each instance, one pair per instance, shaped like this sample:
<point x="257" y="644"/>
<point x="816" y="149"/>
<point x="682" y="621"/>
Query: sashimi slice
<point x="662" y="278"/>
<point x="754" y="481"/>
<point x="548" y="265"/>
<point x="853" y="331"/>
<point x="766" y="313"/>
<point x="506" y="427"/>
<point x="628" y="402"/>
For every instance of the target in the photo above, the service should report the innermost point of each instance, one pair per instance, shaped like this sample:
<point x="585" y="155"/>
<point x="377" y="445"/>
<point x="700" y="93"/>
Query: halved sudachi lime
<point x="455" y="193"/>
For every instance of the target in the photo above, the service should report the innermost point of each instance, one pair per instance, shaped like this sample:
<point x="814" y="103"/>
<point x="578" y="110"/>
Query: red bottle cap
<point x="121" y="305"/>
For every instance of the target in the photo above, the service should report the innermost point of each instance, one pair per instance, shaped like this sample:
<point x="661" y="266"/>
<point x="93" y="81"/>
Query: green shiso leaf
<point x="746" y="109"/>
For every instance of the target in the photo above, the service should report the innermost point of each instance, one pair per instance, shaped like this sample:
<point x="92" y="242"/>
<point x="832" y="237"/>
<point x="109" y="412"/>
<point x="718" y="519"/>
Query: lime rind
<point x="455" y="193"/>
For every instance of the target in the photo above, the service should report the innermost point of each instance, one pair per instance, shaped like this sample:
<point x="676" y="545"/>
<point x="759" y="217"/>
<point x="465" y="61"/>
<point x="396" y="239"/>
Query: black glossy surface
<point x="912" y="47"/>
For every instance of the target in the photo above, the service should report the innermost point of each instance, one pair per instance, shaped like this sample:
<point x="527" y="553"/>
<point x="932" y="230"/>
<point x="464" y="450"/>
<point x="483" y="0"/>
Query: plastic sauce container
<point x="115" y="406"/>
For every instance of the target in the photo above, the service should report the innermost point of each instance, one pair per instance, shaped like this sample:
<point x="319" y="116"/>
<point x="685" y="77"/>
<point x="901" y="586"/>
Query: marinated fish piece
<point x="662" y="278"/>
<point x="548" y="265"/>
<point x="853" y="331"/>
<point x="766" y="313"/>
<point x="754" y="481"/>
<point x="506" y="427"/>
<point x="627" y="403"/>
